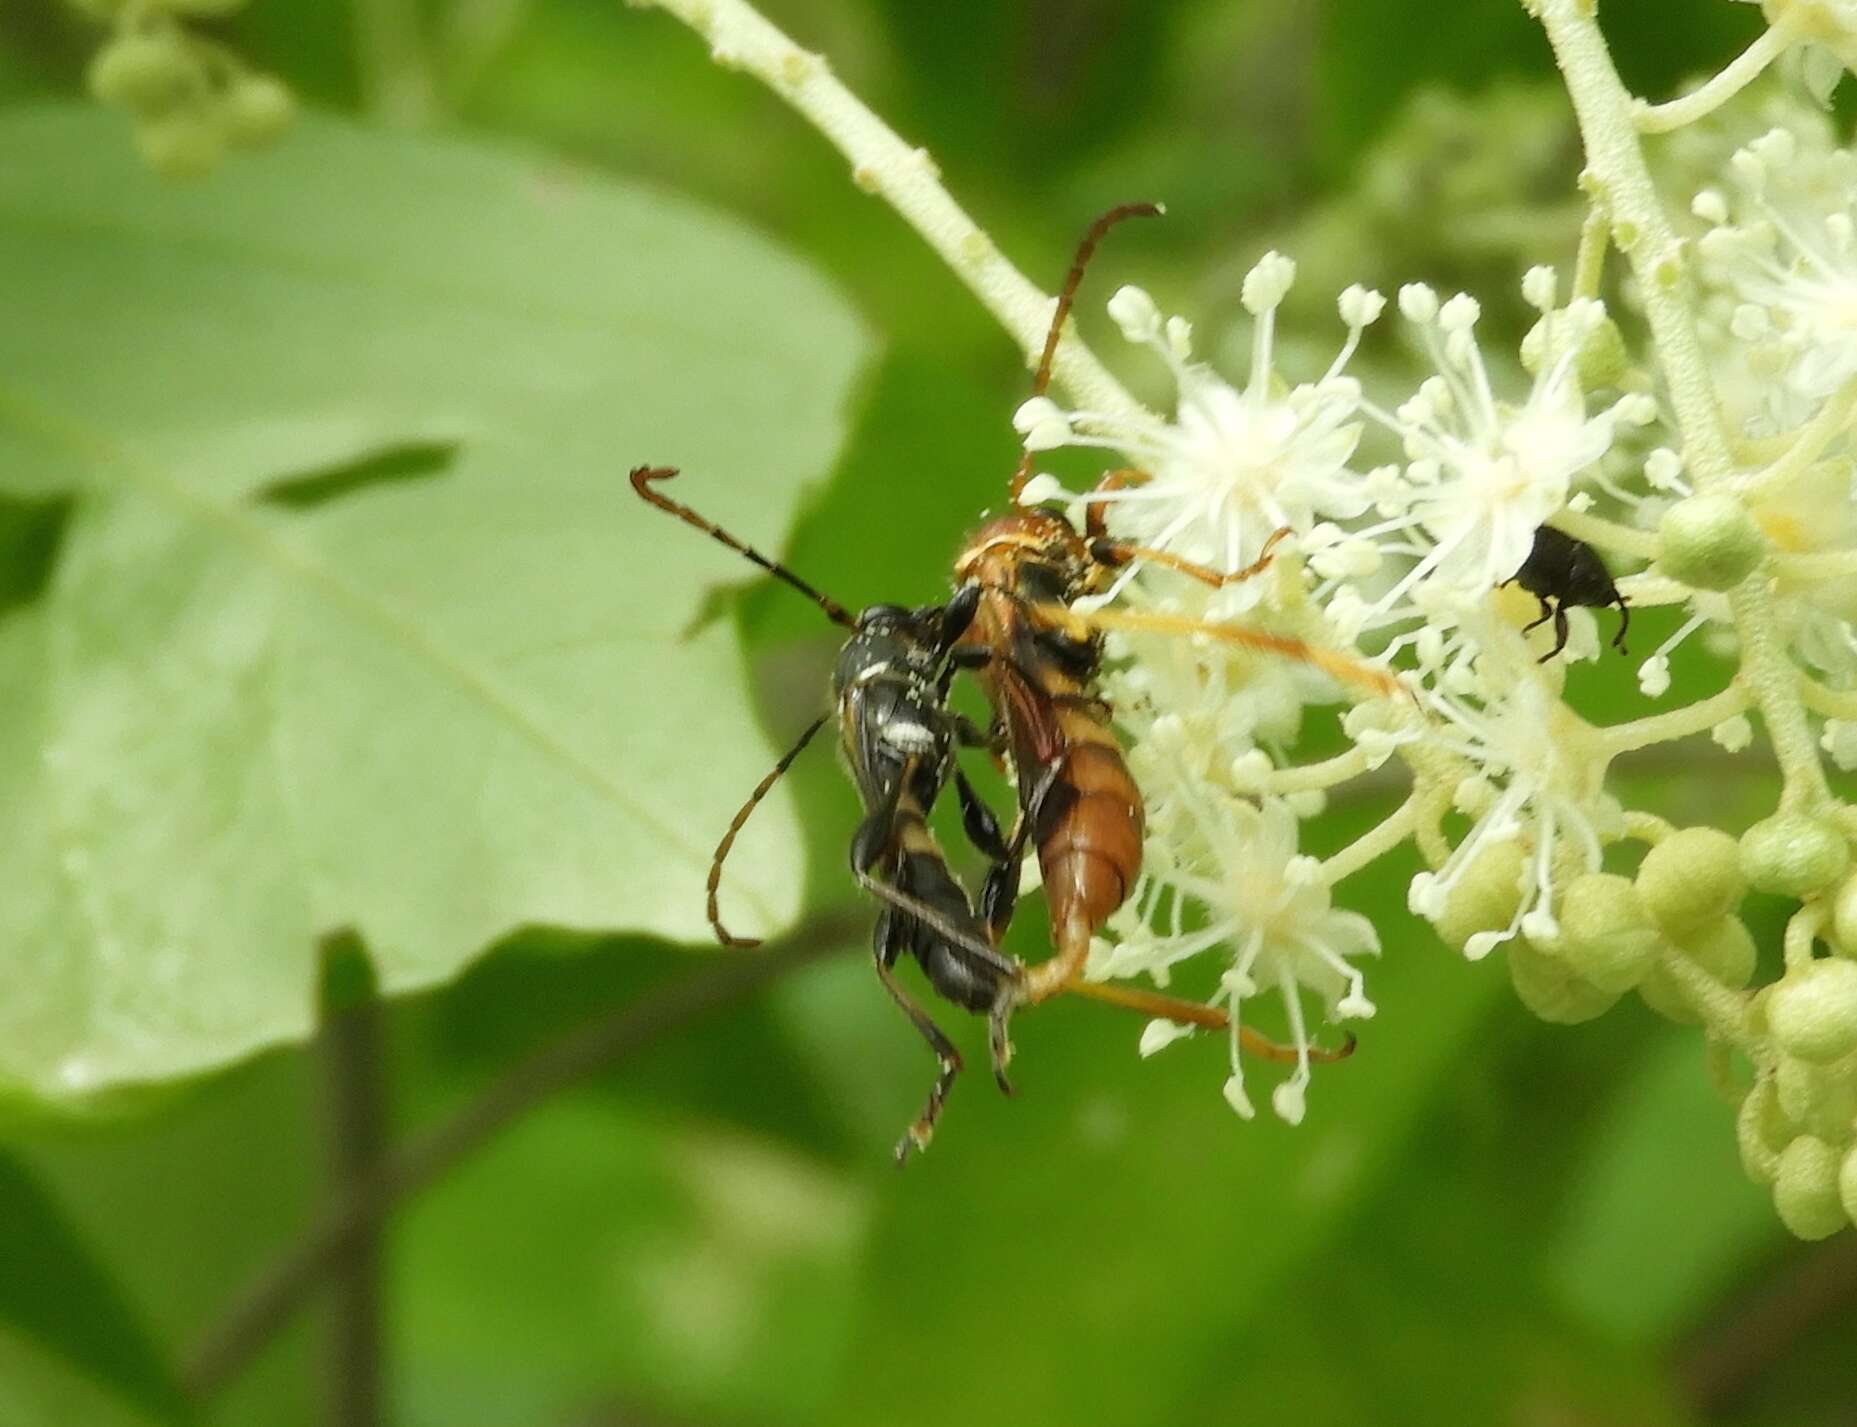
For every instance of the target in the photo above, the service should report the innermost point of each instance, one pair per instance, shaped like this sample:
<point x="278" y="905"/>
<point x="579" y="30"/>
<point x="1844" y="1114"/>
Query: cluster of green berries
<point x="1672" y="934"/>
<point x="190" y="97"/>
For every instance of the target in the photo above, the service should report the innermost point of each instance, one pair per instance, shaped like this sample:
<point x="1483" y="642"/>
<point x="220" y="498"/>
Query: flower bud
<point x="1820" y="1100"/>
<point x="1793" y="855"/>
<point x="145" y="73"/>
<point x="1847" y="1184"/>
<point x="1806" y="1190"/>
<point x="1605" y="937"/>
<point x="1844" y="917"/>
<point x="258" y="109"/>
<point x="1760" y="1128"/>
<point x="1485" y="896"/>
<point x="184" y="144"/>
<point x="1813" y="1010"/>
<point x="1551" y="989"/>
<point x="1691" y="879"/>
<point x="1603" y="359"/>
<point x="1725" y="950"/>
<point x="1710" y="542"/>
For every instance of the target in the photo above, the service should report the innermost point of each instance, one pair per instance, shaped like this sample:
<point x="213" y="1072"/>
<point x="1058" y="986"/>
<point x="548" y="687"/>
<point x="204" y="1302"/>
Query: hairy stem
<point x="904" y="177"/>
<point x="1617" y="174"/>
<point x="1705" y="99"/>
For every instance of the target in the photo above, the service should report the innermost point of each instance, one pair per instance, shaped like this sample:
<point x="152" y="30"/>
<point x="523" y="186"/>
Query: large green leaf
<point x="354" y="619"/>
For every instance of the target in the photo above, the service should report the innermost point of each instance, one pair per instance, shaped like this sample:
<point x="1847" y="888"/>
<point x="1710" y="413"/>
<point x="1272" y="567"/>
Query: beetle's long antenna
<point x="642" y="478"/>
<point x="723" y="934"/>
<point x="1066" y="299"/>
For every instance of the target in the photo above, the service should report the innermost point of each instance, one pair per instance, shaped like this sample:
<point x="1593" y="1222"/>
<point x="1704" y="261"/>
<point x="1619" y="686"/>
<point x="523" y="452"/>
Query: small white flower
<point x="1225" y="873"/>
<point x="1788" y="268"/>
<point x="1483" y="475"/>
<point x="1840" y="741"/>
<point x="1536" y="781"/>
<point x="1233" y="466"/>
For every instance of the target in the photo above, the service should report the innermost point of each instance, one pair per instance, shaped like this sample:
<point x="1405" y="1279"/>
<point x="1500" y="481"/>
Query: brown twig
<point x="351" y="1054"/>
<point x="357" y="1208"/>
<point x="1724" y="1358"/>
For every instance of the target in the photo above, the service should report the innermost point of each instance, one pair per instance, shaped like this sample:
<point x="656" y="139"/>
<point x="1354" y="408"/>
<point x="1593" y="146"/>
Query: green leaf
<point x="353" y="620"/>
<point x="55" y="1293"/>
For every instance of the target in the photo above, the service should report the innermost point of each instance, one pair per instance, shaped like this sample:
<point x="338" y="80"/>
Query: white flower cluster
<point x="1417" y="545"/>
<point x="1431" y="561"/>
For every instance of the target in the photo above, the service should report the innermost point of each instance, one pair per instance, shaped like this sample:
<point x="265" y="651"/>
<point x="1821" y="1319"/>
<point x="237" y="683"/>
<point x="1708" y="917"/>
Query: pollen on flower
<point x="1233" y="465"/>
<point x="1224" y="873"/>
<point x="1784" y="256"/>
<point x="1483" y="475"/>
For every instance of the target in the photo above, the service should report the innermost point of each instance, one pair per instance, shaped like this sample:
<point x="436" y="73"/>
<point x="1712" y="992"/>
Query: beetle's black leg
<point x="923" y="1129"/>
<point x="1560" y="634"/>
<point x="971" y="735"/>
<point x="876" y="835"/>
<point x="977" y="818"/>
<point x="956" y="615"/>
<point x="1547" y="613"/>
<point x="1624" y="623"/>
<point x="999" y="1041"/>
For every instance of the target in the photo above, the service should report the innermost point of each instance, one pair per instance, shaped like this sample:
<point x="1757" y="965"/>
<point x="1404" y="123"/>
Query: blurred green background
<point x="1484" y="1220"/>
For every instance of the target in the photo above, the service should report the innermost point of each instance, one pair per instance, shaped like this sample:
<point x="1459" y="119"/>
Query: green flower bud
<point x="1551" y="989"/>
<point x="1844" y="917"/>
<point x="1820" y="1100"/>
<point x="1760" y="1129"/>
<point x="1710" y="542"/>
<point x="1691" y="879"/>
<point x="1603" y="360"/>
<point x="1724" y="949"/>
<point x="146" y="72"/>
<point x="258" y="109"/>
<point x="1605" y="937"/>
<point x="1813" y="1010"/>
<point x="185" y="144"/>
<point x="1793" y="855"/>
<point x="1485" y="896"/>
<point x="1847" y="1184"/>
<point x="1806" y="1190"/>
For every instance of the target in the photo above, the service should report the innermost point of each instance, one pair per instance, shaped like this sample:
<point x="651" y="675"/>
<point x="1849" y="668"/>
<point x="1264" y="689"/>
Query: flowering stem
<point x="1616" y="167"/>
<point x="1723" y="1010"/>
<point x="1774" y="681"/>
<point x="906" y="178"/>
<point x="1802" y="930"/>
<point x="1589" y="264"/>
<point x="1817" y="565"/>
<point x="1832" y="703"/>
<point x="1694" y="718"/>
<point x="1596" y="530"/>
<point x="1804" y="447"/>
<point x="1707" y="98"/>
<point x="1317" y="777"/>
<point x="1373" y="844"/>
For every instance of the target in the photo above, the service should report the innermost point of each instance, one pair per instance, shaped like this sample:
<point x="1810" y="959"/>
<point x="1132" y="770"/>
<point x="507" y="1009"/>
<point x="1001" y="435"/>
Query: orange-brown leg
<point x="1341" y="666"/>
<point x="1195" y="1013"/>
<point x="1114" y="552"/>
<point x="1094" y="511"/>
